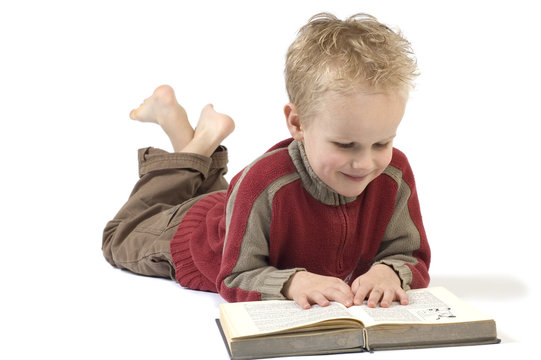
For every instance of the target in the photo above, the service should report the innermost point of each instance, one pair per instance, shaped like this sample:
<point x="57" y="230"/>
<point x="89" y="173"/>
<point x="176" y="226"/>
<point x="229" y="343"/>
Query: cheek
<point x="384" y="159"/>
<point x="330" y="161"/>
<point x="323" y="159"/>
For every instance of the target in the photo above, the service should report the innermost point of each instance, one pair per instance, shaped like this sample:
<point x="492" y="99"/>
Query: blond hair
<point x="359" y="53"/>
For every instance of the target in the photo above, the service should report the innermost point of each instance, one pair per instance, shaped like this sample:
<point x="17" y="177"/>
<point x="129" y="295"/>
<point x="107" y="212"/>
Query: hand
<point x="381" y="285"/>
<point x="307" y="288"/>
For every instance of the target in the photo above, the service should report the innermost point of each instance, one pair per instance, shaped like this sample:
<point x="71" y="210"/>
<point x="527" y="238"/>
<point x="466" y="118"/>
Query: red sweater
<point x="277" y="218"/>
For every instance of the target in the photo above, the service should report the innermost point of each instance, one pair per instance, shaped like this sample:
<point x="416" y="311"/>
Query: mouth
<point x="356" y="178"/>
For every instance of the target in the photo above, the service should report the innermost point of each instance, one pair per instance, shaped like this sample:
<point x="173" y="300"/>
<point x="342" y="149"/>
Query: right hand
<point x="306" y="289"/>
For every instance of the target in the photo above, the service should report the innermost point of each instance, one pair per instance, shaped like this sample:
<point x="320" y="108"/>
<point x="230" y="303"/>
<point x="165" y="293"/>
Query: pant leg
<point x="138" y="237"/>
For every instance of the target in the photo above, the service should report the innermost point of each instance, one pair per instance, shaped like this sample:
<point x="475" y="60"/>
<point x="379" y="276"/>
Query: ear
<point x="293" y="122"/>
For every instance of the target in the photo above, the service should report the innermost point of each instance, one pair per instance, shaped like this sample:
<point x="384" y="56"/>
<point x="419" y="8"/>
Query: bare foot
<point x="162" y="108"/>
<point x="211" y="130"/>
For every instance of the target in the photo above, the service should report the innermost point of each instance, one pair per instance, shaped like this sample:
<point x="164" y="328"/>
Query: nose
<point x="363" y="160"/>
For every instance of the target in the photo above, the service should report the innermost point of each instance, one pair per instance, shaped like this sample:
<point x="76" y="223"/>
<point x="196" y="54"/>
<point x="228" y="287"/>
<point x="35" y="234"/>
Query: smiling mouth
<point x="355" y="178"/>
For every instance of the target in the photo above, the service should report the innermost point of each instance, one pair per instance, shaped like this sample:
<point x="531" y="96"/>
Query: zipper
<point x="342" y="242"/>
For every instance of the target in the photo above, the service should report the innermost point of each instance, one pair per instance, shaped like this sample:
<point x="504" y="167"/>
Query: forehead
<point x="360" y="113"/>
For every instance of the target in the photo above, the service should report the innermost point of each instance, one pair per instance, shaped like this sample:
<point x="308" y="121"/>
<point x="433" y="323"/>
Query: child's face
<point x="349" y="141"/>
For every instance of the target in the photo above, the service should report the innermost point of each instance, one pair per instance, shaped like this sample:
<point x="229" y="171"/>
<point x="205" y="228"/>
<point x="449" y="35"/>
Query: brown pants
<point x="138" y="238"/>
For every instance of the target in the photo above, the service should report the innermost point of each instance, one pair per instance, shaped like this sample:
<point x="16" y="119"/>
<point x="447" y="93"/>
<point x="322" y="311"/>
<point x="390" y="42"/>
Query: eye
<point x="344" y="145"/>
<point x="382" y="145"/>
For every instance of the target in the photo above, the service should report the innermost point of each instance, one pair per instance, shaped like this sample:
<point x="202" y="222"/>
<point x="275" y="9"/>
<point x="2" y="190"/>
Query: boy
<point x="329" y="215"/>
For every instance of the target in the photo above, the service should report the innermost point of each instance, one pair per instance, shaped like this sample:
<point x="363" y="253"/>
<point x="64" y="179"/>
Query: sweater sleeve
<point x="404" y="246"/>
<point x="245" y="274"/>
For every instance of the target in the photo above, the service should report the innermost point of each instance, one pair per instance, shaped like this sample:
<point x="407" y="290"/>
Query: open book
<point x="434" y="317"/>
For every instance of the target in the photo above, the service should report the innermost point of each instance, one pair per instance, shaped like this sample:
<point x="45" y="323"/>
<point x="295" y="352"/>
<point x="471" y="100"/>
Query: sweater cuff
<point x="274" y="283"/>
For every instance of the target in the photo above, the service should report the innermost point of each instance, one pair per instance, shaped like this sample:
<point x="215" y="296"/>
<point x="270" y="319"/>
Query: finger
<point x="320" y="299"/>
<point x="402" y="296"/>
<point x="374" y="298"/>
<point x="343" y="295"/>
<point x="361" y="294"/>
<point x="302" y="301"/>
<point x="355" y="285"/>
<point x="387" y="299"/>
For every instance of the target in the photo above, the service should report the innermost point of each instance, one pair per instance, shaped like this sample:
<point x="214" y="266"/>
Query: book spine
<point x="365" y="339"/>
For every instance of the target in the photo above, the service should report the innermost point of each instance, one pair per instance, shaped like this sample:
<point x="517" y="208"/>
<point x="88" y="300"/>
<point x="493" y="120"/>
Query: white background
<point x="70" y="72"/>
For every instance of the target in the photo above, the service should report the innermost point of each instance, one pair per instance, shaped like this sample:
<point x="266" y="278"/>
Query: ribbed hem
<point x="186" y="271"/>
<point x="274" y="284"/>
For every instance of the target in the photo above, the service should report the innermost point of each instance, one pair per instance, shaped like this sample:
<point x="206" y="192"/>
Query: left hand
<point x="381" y="285"/>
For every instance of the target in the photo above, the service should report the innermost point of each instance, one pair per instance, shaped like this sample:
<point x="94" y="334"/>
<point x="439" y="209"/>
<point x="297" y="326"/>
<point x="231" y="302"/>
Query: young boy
<point x="329" y="215"/>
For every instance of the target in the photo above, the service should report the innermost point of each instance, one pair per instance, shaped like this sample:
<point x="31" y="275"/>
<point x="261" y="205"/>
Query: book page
<point x="263" y="317"/>
<point x="427" y="306"/>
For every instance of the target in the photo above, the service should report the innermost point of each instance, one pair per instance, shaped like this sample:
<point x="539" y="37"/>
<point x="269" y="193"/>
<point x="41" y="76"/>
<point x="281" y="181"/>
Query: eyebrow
<point x="388" y="139"/>
<point x="348" y="141"/>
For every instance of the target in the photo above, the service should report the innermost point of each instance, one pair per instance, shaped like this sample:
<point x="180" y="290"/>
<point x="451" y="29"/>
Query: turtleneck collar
<point x="311" y="182"/>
